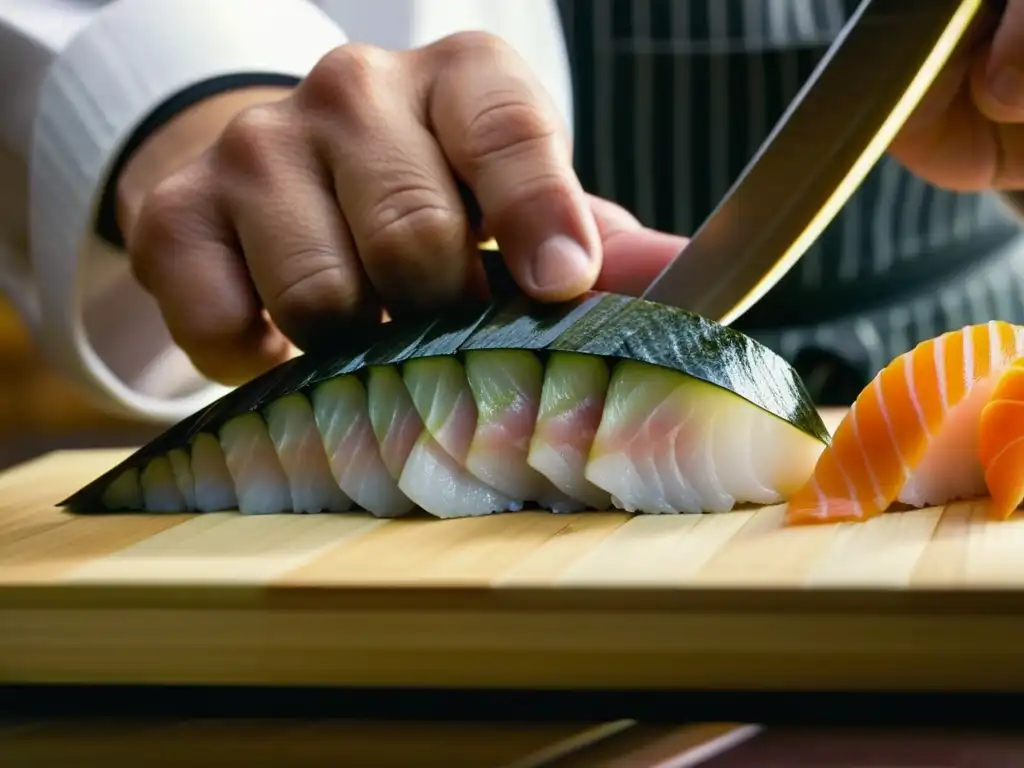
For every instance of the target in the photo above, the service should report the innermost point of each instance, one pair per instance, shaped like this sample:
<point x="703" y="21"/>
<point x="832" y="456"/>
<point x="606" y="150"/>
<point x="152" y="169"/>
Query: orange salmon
<point x="1001" y="441"/>
<point x="941" y="422"/>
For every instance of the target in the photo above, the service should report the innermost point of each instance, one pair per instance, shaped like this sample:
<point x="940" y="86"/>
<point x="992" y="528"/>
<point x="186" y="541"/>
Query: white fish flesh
<point x="491" y="430"/>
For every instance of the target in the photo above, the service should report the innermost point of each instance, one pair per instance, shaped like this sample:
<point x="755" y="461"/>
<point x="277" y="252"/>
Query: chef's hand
<point x="271" y="216"/>
<point x="968" y="132"/>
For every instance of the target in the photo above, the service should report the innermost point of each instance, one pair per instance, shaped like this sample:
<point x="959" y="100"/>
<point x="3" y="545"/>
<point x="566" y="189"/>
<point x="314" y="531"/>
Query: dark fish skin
<point x="604" y="324"/>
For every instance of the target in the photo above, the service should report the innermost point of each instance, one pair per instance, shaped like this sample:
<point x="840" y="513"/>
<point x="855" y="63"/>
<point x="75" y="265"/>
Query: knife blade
<point x="838" y="126"/>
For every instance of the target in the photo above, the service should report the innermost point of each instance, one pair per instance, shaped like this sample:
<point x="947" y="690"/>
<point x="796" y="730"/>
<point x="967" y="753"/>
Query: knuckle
<point x="253" y="138"/>
<point x="166" y="222"/>
<point x="411" y="219"/>
<point x="549" y="189"/>
<point x="507" y="127"/>
<point x="167" y="207"/>
<point x="345" y="79"/>
<point x="416" y="246"/>
<point x="315" y="288"/>
<point x="469" y="43"/>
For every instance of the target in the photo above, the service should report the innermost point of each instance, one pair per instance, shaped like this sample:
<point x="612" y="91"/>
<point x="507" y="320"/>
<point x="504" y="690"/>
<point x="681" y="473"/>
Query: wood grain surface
<point x="906" y="601"/>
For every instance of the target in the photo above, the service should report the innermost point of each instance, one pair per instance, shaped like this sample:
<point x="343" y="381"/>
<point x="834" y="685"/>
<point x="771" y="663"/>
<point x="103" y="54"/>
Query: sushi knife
<point x="840" y="123"/>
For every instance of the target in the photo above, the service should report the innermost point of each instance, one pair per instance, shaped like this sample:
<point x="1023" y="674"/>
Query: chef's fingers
<point x="391" y="179"/>
<point x="947" y="117"/>
<point x="296" y="242"/>
<point x="998" y="77"/>
<point x="1009" y="156"/>
<point x="183" y="253"/>
<point x="633" y="254"/>
<point x="504" y="138"/>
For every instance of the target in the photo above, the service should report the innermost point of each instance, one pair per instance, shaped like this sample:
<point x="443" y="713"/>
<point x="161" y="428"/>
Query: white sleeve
<point x="121" y="60"/>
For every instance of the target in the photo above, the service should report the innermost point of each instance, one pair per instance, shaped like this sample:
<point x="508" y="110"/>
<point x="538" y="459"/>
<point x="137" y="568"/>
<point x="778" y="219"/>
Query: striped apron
<point x="672" y="99"/>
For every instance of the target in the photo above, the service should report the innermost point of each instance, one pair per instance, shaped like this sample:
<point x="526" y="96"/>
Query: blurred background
<point x="40" y="411"/>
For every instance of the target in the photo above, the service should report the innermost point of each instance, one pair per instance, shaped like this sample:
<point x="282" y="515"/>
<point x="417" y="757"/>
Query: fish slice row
<point x="481" y="432"/>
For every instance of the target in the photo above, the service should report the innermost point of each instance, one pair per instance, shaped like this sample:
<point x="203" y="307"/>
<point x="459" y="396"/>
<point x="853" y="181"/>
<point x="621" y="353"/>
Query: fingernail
<point x="1007" y="86"/>
<point x="560" y="265"/>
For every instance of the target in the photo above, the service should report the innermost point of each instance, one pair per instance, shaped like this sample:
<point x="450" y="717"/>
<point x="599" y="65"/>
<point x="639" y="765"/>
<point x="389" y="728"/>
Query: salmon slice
<point x="912" y="435"/>
<point x="1001" y="442"/>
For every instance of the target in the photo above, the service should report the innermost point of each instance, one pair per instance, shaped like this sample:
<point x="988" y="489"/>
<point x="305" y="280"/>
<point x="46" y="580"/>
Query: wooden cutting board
<point x="918" y="600"/>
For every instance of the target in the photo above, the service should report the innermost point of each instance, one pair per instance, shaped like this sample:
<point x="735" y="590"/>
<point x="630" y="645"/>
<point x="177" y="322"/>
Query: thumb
<point x="998" y="82"/>
<point x="633" y="254"/>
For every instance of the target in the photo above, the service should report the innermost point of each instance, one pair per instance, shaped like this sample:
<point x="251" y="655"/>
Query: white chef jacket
<point x="77" y="80"/>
